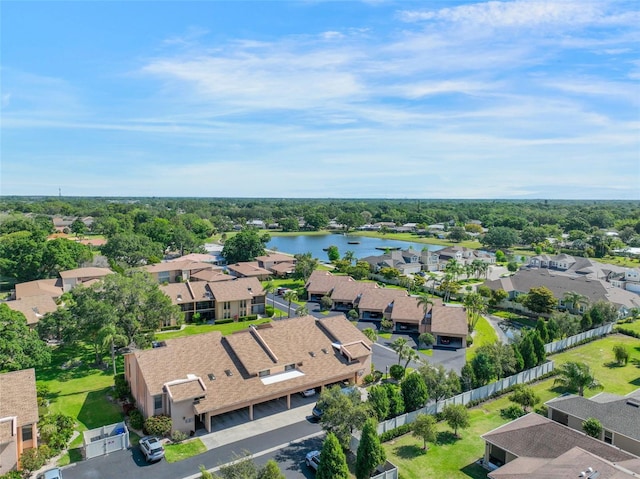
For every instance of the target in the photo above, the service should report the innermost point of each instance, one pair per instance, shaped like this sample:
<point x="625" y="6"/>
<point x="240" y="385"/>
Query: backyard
<point x="455" y="458"/>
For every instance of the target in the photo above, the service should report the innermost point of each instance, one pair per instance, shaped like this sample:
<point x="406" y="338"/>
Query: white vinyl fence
<point x="565" y="343"/>
<point x="468" y="396"/>
<point x="105" y="439"/>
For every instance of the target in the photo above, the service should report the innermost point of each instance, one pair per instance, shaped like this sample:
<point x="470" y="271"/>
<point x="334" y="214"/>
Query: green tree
<point x="592" y="427"/>
<point x="289" y="224"/>
<point x="426" y="303"/>
<point x="290" y="296"/>
<point x="78" y="227"/>
<point x="525" y="396"/>
<point x="602" y="312"/>
<point x="333" y="253"/>
<point x="500" y="237"/>
<point x="333" y="463"/>
<point x="414" y="392"/>
<point x="20" y="346"/>
<point x="576" y="376"/>
<point x="476" y="307"/>
<point x="497" y="297"/>
<point x="427" y="339"/>
<point x="379" y="401"/>
<point x="467" y="377"/>
<point x="204" y="474"/>
<point x="457" y="234"/>
<point x="371" y="334"/>
<point x="484" y="368"/>
<point x="62" y="254"/>
<point x="132" y="249"/>
<point x="441" y="384"/>
<point x="400" y="346"/>
<point x="621" y="353"/>
<point x="240" y="467"/>
<point x="396" y="401"/>
<point x="540" y="300"/>
<point x="574" y="301"/>
<point x="538" y="347"/>
<point x="342" y="412"/>
<point x="270" y="471"/>
<point x="525" y="346"/>
<point x="21" y="255"/>
<point x="424" y="427"/>
<point x="305" y="265"/>
<point x="370" y="452"/>
<point x="270" y="288"/>
<point x="245" y="246"/>
<point x="457" y="417"/>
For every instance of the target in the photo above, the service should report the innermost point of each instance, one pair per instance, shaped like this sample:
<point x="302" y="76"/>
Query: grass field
<point x="454" y="458"/>
<point x="484" y="334"/>
<point x="634" y="326"/>
<point x="183" y="450"/>
<point x="193" y="329"/>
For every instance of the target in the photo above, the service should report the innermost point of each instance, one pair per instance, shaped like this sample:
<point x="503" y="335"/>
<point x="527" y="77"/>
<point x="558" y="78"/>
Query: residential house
<point x="86" y="276"/>
<point x="463" y="256"/>
<point x="194" y="379"/>
<point x="41" y="287"/>
<point x="18" y="417"/>
<point x="322" y="283"/>
<point x="448" y="325"/>
<point x="527" y="444"/>
<point x="33" y="307"/>
<point x="232" y="299"/>
<point x="212" y="276"/>
<point x="249" y="269"/>
<point x="277" y="263"/>
<point x="346" y="294"/>
<point x="560" y="284"/>
<point x="619" y="416"/>
<point x="377" y="303"/>
<point x="177" y="271"/>
<point x="407" y="261"/>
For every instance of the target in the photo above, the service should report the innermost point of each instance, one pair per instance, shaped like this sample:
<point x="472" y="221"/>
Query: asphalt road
<point x="130" y="464"/>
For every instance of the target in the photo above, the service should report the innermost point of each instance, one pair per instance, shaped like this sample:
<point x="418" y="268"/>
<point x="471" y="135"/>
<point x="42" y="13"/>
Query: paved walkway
<point x="256" y="427"/>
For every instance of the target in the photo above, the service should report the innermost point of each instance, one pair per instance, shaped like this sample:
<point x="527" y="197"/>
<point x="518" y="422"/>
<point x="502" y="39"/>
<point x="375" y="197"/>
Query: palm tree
<point x="290" y="296"/>
<point x="576" y="376"/>
<point x="432" y="278"/>
<point x="410" y="354"/>
<point x="111" y="337"/>
<point x="302" y="311"/>
<point x="270" y="288"/>
<point x="454" y="268"/>
<point x="448" y="286"/>
<point x="349" y="256"/>
<point x="425" y="301"/>
<point x="399" y="346"/>
<point x="575" y="300"/>
<point x="476" y="306"/>
<point x="371" y="334"/>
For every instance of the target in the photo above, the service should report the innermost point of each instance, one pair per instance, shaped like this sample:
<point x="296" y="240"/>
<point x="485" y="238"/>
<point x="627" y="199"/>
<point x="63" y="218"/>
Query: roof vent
<point x="228" y="372"/>
<point x="212" y="376"/>
<point x="312" y="354"/>
<point x="324" y="350"/>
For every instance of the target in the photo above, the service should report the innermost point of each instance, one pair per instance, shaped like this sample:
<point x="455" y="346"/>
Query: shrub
<point x="251" y="317"/>
<point x="224" y="321"/>
<point x="368" y="379"/>
<point x="469" y="340"/>
<point x="178" y="436"/>
<point x="352" y="314"/>
<point x="386" y="324"/>
<point x="122" y="389"/>
<point x="396" y="432"/>
<point x="621" y="353"/>
<point x="136" y="420"/>
<point x="11" y="475"/>
<point x="513" y="411"/>
<point x="592" y="427"/>
<point x="269" y="311"/>
<point x="32" y="459"/>
<point x="396" y="371"/>
<point x="158" y="425"/>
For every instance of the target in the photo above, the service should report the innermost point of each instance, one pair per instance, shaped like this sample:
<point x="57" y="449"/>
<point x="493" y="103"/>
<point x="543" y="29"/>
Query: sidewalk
<point x="256" y="427"/>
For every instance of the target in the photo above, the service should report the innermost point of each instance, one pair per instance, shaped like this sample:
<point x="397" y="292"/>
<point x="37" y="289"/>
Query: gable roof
<point x="49" y="287"/>
<point x="91" y="272"/>
<point x="238" y="289"/>
<point x="620" y="414"/>
<point x="380" y="298"/>
<point x="276" y="258"/>
<point x="349" y="291"/>
<point x="248" y="269"/>
<point x="533" y="435"/>
<point x="211" y="276"/>
<point x="323" y="282"/>
<point x="18" y="393"/>
<point x="407" y="309"/>
<point x="448" y="319"/>
<point x="33" y="307"/>
<point x="209" y="356"/>
<point x="178" y="265"/>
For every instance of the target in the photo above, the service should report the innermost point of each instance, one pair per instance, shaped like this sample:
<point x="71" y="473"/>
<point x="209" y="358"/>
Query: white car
<point x="151" y="448"/>
<point x="308" y="393"/>
<point x="313" y="460"/>
<point x="51" y="474"/>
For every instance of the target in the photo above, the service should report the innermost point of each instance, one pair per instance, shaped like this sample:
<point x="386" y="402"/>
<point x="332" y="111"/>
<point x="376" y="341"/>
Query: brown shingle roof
<point x="33" y="307"/>
<point x="349" y="291"/>
<point x="211" y="276"/>
<point x="322" y="282"/>
<point x="50" y="287"/>
<point x="284" y="267"/>
<point x="275" y="257"/>
<point x="449" y="320"/>
<point x="192" y="388"/>
<point x="85" y="273"/>
<point x="536" y="436"/>
<point x="291" y="341"/>
<point x="240" y="288"/>
<point x="379" y="299"/>
<point x="178" y="292"/>
<point x="183" y="265"/>
<point x="18" y="396"/>
<point x="248" y="269"/>
<point x="407" y="310"/>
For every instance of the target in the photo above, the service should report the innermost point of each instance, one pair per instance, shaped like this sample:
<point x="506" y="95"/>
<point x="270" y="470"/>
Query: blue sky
<point x="374" y="99"/>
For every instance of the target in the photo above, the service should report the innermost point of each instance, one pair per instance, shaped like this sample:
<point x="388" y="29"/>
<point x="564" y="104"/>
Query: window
<point x="157" y="402"/>
<point x="264" y="373"/>
<point x="608" y="437"/>
<point x="243" y="303"/>
<point x="163" y="277"/>
<point x="226" y="305"/>
<point x="27" y="432"/>
<point x="289" y="367"/>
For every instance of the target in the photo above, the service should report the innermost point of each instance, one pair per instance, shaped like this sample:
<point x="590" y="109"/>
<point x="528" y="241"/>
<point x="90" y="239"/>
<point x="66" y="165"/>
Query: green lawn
<point x="516" y="318"/>
<point x="193" y="329"/>
<point x="455" y="458"/>
<point x="484" y="334"/>
<point x="634" y="326"/>
<point x="183" y="450"/>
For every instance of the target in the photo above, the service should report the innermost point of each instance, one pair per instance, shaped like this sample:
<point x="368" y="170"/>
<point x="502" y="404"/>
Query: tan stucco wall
<point x="182" y="416"/>
<point x="8" y="457"/>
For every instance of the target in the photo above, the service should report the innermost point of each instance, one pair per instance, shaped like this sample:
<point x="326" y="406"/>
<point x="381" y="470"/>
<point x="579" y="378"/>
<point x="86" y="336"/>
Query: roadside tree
<point x="370" y="452"/>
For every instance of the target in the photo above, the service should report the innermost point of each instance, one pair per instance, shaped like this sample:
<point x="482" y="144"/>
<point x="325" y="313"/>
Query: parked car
<point x="308" y="393"/>
<point x="313" y="460"/>
<point x="280" y="291"/>
<point x="151" y="448"/>
<point x="51" y="474"/>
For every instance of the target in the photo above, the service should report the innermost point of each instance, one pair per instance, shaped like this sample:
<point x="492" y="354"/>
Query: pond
<point x="362" y="246"/>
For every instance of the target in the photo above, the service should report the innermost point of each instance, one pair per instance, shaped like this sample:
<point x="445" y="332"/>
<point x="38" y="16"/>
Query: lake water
<point x="316" y="245"/>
